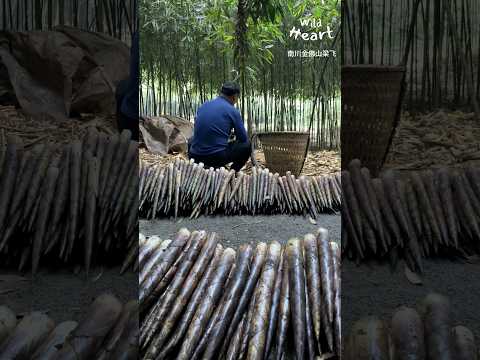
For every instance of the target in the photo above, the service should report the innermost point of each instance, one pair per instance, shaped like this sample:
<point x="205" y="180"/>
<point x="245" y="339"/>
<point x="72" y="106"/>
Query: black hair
<point x="230" y="88"/>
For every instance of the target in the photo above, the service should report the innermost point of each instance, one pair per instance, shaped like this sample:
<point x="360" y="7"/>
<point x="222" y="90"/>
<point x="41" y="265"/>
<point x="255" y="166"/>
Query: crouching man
<point x="127" y="93"/>
<point x="214" y="123"/>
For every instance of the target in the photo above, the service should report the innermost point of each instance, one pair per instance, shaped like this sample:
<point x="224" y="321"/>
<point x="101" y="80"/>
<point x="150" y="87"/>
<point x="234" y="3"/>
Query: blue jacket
<point x="214" y="121"/>
<point x="129" y="106"/>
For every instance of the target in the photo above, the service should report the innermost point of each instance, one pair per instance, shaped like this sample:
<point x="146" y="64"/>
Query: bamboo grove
<point x="442" y="66"/>
<point x="116" y="18"/>
<point x="190" y="48"/>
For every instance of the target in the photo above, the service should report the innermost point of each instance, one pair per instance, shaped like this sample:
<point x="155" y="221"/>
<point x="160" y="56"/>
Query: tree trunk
<point x="240" y="53"/>
<point x="38" y="14"/>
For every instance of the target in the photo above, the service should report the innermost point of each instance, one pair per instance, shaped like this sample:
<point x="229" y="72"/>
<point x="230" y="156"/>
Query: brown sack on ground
<point x="57" y="73"/>
<point x="166" y="134"/>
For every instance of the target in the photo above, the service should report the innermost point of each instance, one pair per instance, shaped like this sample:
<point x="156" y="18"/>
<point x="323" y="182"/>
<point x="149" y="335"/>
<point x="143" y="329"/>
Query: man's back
<point x="214" y="121"/>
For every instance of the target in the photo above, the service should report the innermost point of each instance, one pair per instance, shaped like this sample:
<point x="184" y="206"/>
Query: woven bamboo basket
<point x="284" y="151"/>
<point x="371" y="99"/>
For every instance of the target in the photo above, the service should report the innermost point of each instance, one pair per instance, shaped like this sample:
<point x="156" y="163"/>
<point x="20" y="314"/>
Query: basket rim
<point x="283" y="133"/>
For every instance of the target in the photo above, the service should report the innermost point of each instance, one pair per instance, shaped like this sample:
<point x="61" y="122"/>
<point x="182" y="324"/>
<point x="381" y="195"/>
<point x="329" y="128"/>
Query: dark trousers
<point x="236" y="153"/>
<point x="123" y="121"/>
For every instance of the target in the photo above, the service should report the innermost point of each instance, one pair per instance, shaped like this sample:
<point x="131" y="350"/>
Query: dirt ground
<point x="64" y="294"/>
<point x="237" y="230"/>
<point x="372" y="289"/>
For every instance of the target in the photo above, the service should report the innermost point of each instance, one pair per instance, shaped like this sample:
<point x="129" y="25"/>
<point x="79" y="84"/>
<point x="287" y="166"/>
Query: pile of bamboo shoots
<point x="109" y="330"/>
<point x="440" y="138"/>
<point x="432" y="212"/>
<point x="62" y="200"/>
<point x="428" y="333"/>
<point x="187" y="188"/>
<point x="199" y="300"/>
